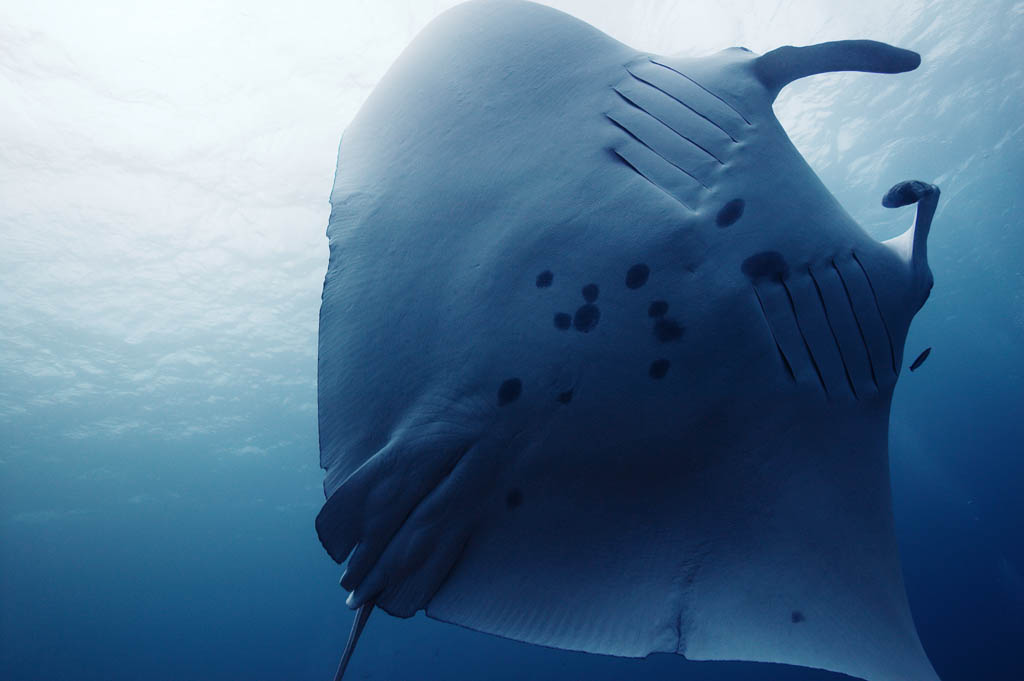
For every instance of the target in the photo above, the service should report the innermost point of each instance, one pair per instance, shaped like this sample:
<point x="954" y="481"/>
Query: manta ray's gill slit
<point x="611" y="116"/>
<point x="803" y="337"/>
<point x="832" y="330"/>
<point x="710" y="92"/>
<point x="771" y="332"/>
<point x="621" y="154"/>
<point x="636" y="105"/>
<point x="860" y="327"/>
<point x="885" y="325"/>
<point x="657" y="87"/>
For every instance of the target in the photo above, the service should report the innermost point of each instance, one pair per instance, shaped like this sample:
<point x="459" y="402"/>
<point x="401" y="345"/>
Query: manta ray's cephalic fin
<point x="782" y="66"/>
<point x="912" y="245"/>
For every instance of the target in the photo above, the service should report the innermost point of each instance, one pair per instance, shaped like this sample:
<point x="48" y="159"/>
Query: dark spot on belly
<point x="637" y="275"/>
<point x="658" y="308"/>
<point x="659" y="368"/>
<point x="509" y="391"/>
<point x="566" y="397"/>
<point x="590" y="293"/>
<point x="730" y="213"/>
<point x="514" y="499"/>
<point x="545" y="278"/>
<point x="796" y="617"/>
<point x="766" y="265"/>
<point x="667" y="330"/>
<point x="563" y="320"/>
<point x="586" y="318"/>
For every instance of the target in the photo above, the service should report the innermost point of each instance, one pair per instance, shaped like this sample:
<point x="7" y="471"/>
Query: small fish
<point x="920" y="359"/>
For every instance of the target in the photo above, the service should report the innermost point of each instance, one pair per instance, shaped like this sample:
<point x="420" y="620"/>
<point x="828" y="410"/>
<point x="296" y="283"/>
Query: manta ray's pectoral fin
<point x="782" y="66"/>
<point x="402" y="518"/>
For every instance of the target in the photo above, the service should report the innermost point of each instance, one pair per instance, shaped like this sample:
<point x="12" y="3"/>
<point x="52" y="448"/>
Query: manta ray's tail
<point x="362" y="614"/>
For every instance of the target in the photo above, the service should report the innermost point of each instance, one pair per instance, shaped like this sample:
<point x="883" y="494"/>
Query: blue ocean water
<point x="162" y="208"/>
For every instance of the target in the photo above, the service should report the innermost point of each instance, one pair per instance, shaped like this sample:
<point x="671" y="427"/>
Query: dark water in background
<point x="160" y="284"/>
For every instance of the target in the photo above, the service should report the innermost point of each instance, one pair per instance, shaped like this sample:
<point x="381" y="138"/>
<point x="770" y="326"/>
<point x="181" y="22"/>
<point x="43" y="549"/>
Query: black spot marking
<point x="514" y="499"/>
<point x="637" y="275"/>
<point x="766" y="265"/>
<point x="545" y="278"/>
<point x="658" y="308"/>
<point x="566" y="397"/>
<point x="563" y="320"/>
<point x="586" y="318"/>
<point x="509" y="391"/>
<point x="796" y="617"/>
<point x="667" y="330"/>
<point x="590" y="293"/>
<point x="920" y="359"/>
<point x="659" y="368"/>
<point x="730" y="213"/>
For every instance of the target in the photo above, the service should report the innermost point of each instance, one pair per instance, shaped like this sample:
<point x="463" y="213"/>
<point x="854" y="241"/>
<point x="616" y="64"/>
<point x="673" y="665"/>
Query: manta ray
<point x="603" y="366"/>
